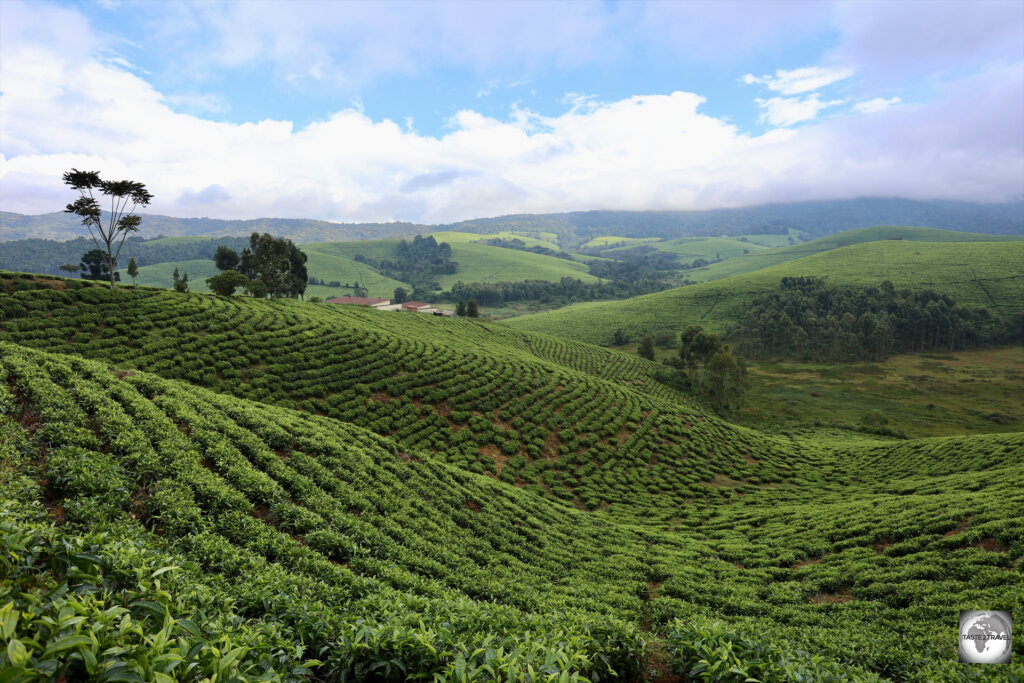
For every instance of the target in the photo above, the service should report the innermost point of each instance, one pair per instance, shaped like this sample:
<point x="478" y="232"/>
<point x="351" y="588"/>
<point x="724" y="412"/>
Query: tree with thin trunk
<point x="125" y="197"/>
<point x="133" y="271"/>
<point x="71" y="268"/>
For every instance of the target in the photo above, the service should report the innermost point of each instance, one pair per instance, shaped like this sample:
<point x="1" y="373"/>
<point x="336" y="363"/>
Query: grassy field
<point x="547" y="240"/>
<point x="774" y="240"/>
<point x="969" y="392"/>
<point x="980" y="273"/>
<point x="609" y="241"/>
<point x="320" y="492"/>
<point x="688" y="249"/>
<point x="334" y="261"/>
<point x="162" y="274"/>
<point x="477" y="262"/>
<point x="764" y="259"/>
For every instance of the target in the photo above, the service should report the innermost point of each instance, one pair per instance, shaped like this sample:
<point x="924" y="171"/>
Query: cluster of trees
<point x="566" y="290"/>
<point x="520" y="245"/>
<point x="181" y="282"/>
<point x="46" y="256"/>
<point x="635" y="265"/>
<point x="467" y="309"/>
<point x="418" y="262"/>
<point x="704" y="364"/>
<point x="269" y="266"/>
<point x="808" y="318"/>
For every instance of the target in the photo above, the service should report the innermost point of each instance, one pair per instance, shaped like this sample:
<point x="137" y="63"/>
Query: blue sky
<point x="442" y="111"/>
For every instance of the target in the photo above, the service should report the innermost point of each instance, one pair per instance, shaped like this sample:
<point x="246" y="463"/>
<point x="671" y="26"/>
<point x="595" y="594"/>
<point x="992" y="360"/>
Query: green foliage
<point x="133" y="270"/>
<point x="226" y="258"/>
<point x="227" y="282"/>
<point x="277" y="263"/>
<point x="180" y="282"/>
<point x="565" y="290"/>
<point x="646" y="349"/>
<point x="94" y="266"/>
<point x="126" y="196"/>
<point x="808" y="318"/>
<point x="526" y="505"/>
<point x="418" y="262"/>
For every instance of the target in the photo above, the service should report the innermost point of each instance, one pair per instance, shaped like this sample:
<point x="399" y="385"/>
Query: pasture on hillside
<point x="987" y="274"/>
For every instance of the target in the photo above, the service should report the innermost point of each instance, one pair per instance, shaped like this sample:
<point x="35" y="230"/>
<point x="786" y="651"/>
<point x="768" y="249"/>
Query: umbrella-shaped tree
<point x="125" y="197"/>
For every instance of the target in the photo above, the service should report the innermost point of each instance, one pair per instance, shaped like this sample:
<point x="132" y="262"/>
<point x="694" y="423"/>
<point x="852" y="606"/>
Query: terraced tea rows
<point x="300" y="516"/>
<point x="301" y="545"/>
<point x="488" y="400"/>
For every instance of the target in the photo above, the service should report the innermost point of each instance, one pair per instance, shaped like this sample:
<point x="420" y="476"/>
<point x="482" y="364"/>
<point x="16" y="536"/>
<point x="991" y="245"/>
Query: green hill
<point x="477" y="262"/>
<point x="335" y="261"/>
<point x="763" y="259"/>
<point x="691" y="248"/>
<point x="148" y="524"/>
<point x="162" y="274"/>
<point x="530" y="410"/>
<point x="980" y="273"/>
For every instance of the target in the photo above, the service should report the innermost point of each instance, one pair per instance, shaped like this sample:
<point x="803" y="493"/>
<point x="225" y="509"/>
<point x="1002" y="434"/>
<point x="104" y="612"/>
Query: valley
<point x="340" y="493"/>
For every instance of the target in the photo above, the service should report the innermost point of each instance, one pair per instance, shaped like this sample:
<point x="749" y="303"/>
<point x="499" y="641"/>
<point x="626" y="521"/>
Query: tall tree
<point x="460" y="309"/>
<point x="297" y="273"/>
<point x="724" y="379"/>
<point x="133" y="271"/>
<point x="646" y="349"/>
<point x="125" y="197"/>
<point x="277" y="263"/>
<point x="180" y="282"/>
<point x="472" y="310"/>
<point x="401" y="296"/>
<point x="71" y="268"/>
<point x="226" y="258"/>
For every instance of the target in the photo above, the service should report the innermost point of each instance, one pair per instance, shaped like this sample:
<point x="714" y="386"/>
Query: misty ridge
<point x="815" y="218"/>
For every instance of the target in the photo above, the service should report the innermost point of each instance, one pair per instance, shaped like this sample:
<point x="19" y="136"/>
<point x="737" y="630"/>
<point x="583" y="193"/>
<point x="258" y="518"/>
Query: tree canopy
<point x="277" y="263"/>
<point x="125" y="197"/>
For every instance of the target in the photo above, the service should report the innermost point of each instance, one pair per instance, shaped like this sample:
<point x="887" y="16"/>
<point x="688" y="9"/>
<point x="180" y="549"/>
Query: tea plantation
<point x="200" y="488"/>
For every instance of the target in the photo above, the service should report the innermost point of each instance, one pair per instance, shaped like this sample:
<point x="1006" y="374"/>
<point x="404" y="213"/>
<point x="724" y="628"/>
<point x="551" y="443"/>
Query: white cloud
<point x="60" y="108"/>
<point x="875" y="105"/>
<point x="787" y="111"/>
<point x="797" y="81"/>
<point x="891" y="42"/>
<point x="198" y="103"/>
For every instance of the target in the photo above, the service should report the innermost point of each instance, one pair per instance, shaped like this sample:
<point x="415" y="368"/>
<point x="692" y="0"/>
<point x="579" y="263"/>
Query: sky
<point x="438" y="112"/>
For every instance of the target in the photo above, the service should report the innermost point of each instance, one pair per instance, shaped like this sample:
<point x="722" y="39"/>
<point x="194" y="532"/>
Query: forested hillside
<point x="817" y="219"/>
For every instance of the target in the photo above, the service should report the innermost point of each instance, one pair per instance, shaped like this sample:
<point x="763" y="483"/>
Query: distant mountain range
<point x="816" y="219"/>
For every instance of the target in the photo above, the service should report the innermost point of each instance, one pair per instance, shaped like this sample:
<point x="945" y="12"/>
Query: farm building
<point x="418" y="307"/>
<point x="359" y="301"/>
